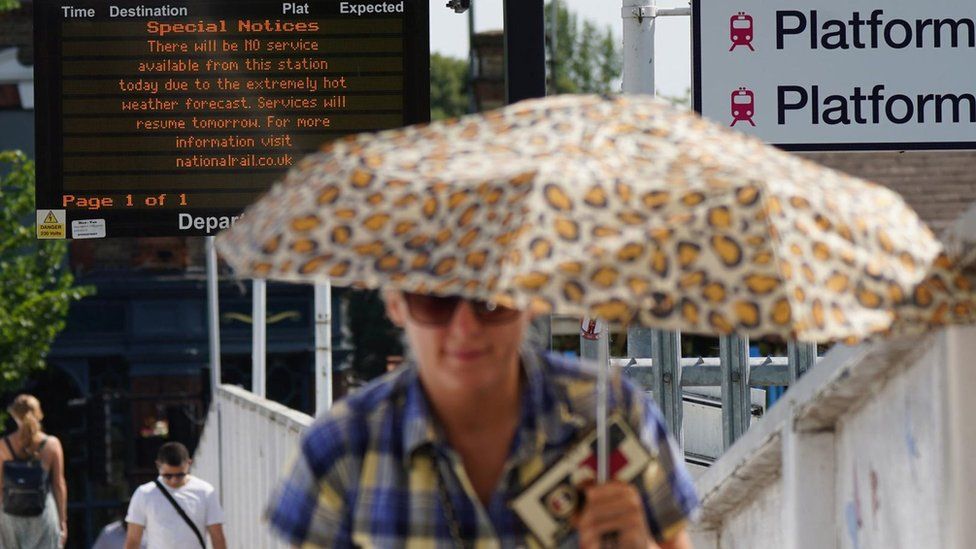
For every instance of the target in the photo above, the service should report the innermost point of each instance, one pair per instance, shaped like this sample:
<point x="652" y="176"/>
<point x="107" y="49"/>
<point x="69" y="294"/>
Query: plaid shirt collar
<point x="546" y="418"/>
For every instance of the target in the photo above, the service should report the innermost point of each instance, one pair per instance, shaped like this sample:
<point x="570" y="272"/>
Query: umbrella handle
<point x="609" y="540"/>
<point x="602" y="398"/>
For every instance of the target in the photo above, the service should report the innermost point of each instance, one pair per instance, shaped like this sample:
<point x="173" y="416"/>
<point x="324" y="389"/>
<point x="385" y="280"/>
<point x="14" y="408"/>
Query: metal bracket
<point x="650" y="12"/>
<point x="459" y="6"/>
<point x="639" y="12"/>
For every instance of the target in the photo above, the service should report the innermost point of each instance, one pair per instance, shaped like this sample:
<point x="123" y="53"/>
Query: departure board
<point x="168" y="119"/>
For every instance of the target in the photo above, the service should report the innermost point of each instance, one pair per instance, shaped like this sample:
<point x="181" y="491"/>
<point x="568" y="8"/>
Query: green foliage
<point x="8" y="5"/>
<point x="682" y="101"/>
<point x="35" y="289"/>
<point x="586" y="59"/>
<point x="448" y="87"/>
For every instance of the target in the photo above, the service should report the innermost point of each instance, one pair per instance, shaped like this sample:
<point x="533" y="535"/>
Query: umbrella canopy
<point x="624" y="208"/>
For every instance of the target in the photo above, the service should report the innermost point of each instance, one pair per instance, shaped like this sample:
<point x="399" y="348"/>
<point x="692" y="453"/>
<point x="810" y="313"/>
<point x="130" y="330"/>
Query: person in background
<point x="45" y="527"/>
<point x="177" y="510"/>
<point x="113" y="534"/>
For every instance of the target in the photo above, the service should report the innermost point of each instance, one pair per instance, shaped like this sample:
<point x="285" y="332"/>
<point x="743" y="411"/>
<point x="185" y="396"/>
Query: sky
<point x="449" y="34"/>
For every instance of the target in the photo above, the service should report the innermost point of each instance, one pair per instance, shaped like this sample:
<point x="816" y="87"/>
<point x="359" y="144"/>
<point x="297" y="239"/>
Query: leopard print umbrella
<point x="624" y="208"/>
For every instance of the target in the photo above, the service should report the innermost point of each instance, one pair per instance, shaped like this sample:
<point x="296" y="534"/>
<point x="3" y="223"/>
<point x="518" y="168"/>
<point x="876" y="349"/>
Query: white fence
<point x="246" y="445"/>
<point x="873" y="448"/>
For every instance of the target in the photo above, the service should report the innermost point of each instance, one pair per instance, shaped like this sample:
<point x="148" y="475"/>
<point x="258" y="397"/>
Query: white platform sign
<point x="837" y="74"/>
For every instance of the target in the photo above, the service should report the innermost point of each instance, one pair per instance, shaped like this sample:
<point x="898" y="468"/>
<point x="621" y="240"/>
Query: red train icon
<point x="740" y="30"/>
<point x="743" y="106"/>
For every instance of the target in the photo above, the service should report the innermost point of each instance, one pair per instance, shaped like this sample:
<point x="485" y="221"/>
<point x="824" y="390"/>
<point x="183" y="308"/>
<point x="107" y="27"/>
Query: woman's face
<point x="465" y="353"/>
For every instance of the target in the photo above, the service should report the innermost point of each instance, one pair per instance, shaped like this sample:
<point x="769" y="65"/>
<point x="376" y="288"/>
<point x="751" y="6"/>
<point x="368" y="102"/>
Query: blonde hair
<point x="26" y="409"/>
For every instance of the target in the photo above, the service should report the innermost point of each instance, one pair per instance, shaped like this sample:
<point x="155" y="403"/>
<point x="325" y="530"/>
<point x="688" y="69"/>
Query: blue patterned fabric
<point x="365" y="474"/>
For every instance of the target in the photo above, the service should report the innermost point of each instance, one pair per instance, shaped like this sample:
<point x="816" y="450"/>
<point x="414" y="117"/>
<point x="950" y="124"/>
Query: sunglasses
<point x="435" y="310"/>
<point x="169" y="476"/>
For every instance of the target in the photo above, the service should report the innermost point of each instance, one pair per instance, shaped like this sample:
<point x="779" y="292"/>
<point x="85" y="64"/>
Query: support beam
<point x="801" y="357"/>
<point x="525" y="50"/>
<point x="213" y="318"/>
<point x="736" y="401"/>
<point x="639" y="341"/>
<point x="638" y="46"/>
<point x="259" y="336"/>
<point x="666" y="356"/>
<point x="323" y="347"/>
<point x="213" y="315"/>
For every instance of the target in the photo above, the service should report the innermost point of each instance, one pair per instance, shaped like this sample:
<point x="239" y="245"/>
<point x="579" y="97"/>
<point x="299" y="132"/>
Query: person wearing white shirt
<point x="154" y="515"/>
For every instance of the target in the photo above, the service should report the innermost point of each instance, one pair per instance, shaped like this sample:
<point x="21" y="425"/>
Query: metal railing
<point x="734" y="371"/>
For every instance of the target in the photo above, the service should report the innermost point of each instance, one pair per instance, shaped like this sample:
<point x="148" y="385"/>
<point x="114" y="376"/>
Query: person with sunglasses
<point x="177" y="510"/>
<point x="433" y="453"/>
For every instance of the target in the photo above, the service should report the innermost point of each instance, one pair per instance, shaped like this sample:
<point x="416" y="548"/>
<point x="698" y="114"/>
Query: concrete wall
<point x="889" y="457"/>
<point x="751" y="527"/>
<point x="871" y="449"/>
<point x="246" y="446"/>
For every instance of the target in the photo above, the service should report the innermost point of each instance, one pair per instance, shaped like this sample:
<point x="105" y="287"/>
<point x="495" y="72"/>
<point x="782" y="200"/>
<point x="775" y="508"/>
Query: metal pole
<point x="259" y="333"/>
<point x="801" y="357"/>
<point x="666" y="355"/>
<point x="323" y="347"/>
<point x="639" y="27"/>
<point x="525" y="50"/>
<point x="603" y="363"/>
<point x="597" y="350"/>
<point x="472" y="101"/>
<point x="554" y="45"/>
<point x="638" y="78"/>
<point x="213" y="316"/>
<point x="638" y="51"/>
<point x="736" y="395"/>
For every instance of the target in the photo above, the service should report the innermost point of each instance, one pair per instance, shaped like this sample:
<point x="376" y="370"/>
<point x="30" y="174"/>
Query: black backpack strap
<point x="11" y="448"/>
<point x="182" y="513"/>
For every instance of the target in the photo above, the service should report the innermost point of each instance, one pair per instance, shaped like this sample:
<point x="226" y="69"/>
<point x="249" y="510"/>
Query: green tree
<point x="586" y="59"/>
<point x="7" y="5"/>
<point x="35" y="289"/>
<point x="448" y="87"/>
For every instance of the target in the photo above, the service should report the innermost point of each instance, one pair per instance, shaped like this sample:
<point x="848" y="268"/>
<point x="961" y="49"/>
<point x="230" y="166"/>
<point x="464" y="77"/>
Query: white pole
<point x="638" y="33"/>
<point x="213" y="317"/>
<point x="323" y="347"/>
<point x="259" y="337"/>
<point x="603" y="396"/>
<point x="595" y="349"/>
<point x="639" y="26"/>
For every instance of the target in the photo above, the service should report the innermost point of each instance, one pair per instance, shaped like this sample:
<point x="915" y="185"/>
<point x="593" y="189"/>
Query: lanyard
<point x="451" y="513"/>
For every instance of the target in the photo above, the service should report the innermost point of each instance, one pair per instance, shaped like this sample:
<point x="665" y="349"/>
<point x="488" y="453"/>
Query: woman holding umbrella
<point x="434" y="452"/>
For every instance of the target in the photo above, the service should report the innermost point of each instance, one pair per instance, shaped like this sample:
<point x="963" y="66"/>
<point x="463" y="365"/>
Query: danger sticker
<point x="51" y="224"/>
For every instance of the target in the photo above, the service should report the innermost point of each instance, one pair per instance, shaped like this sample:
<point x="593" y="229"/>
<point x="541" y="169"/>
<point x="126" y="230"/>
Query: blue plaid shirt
<point x="365" y="475"/>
